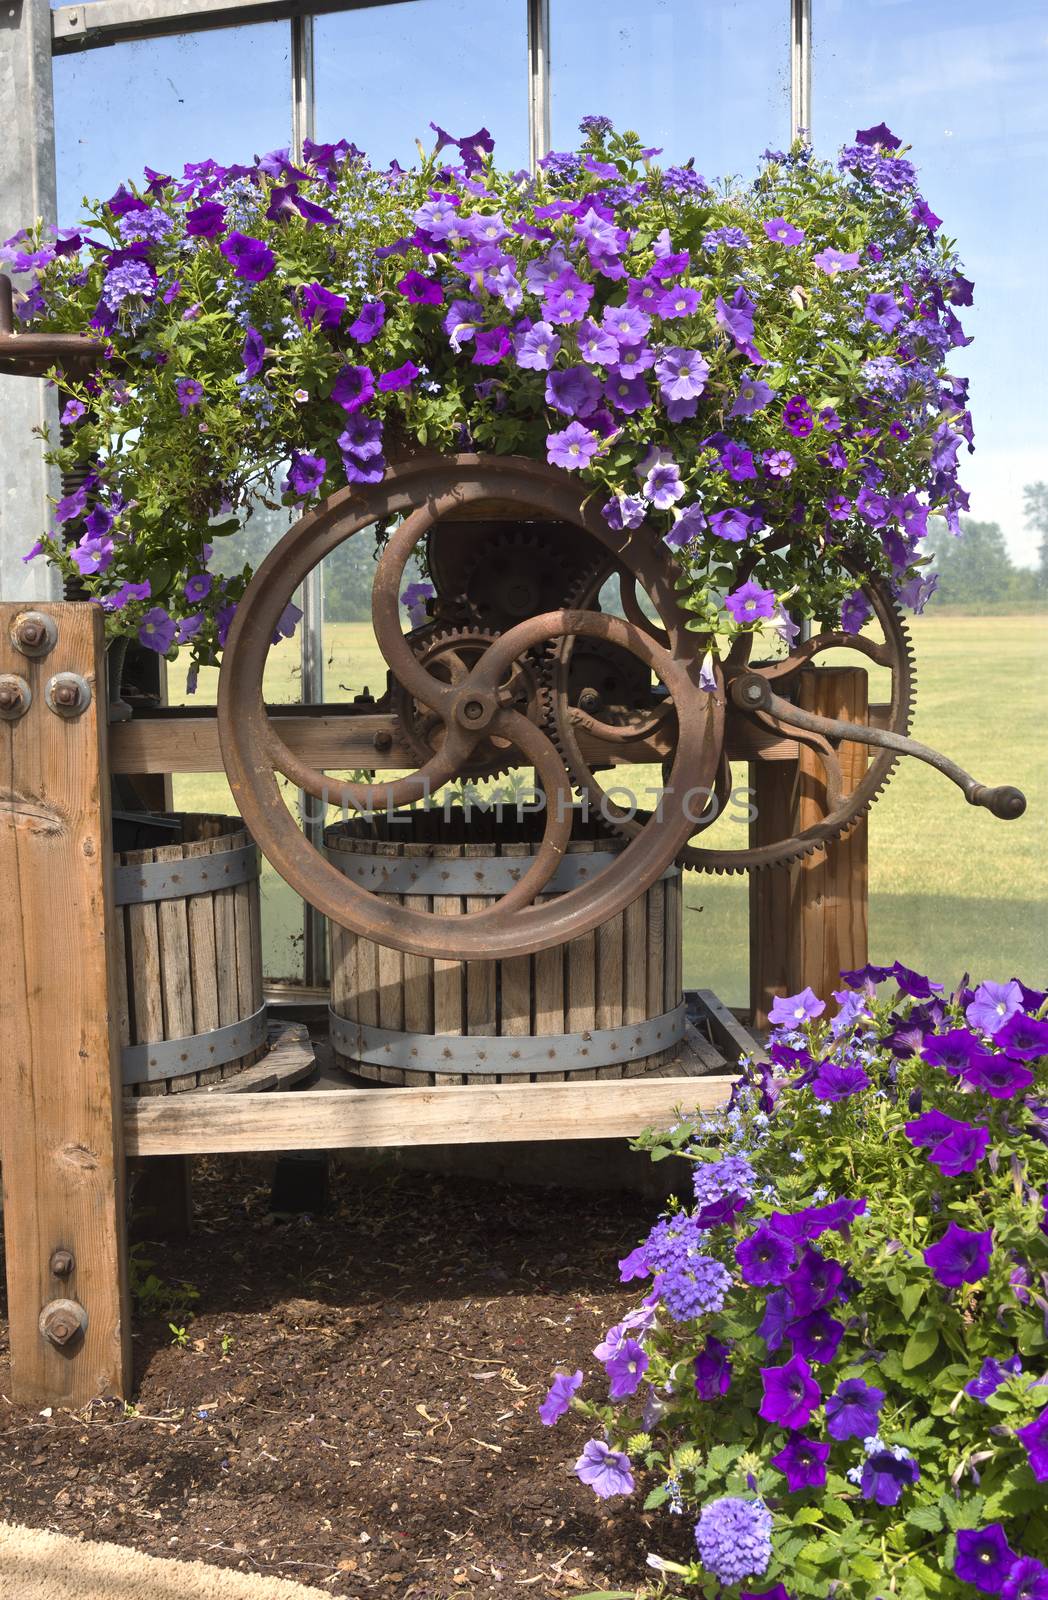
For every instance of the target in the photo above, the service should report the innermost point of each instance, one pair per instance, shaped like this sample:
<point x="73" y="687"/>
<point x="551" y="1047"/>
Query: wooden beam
<point x="60" y="1124"/>
<point x="335" y="738"/>
<point x="386" y="1118"/>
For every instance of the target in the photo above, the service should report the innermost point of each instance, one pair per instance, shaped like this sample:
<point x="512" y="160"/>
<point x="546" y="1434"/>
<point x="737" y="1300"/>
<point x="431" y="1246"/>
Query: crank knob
<point x="1004" y="801"/>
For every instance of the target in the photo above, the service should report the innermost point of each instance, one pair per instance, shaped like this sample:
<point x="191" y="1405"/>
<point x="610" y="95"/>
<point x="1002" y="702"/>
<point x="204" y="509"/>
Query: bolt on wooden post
<point x="61" y="1131"/>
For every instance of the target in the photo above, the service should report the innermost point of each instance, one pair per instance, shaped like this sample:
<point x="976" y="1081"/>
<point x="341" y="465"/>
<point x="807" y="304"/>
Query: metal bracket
<point x="177" y="880"/>
<point x="196" y="1052"/>
<point x="484" y="875"/>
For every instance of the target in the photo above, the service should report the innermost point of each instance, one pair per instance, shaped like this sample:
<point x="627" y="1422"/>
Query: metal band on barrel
<point x="177" y="880"/>
<point x="473" y="875"/>
<point x="506" y="1054"/>
<point x="196" y="1052"/>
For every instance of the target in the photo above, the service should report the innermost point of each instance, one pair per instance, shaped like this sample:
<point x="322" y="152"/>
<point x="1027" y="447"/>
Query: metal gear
<point x="562" y="718"/>
<point x="516" y="573"/>
<point x="450" y="654"/>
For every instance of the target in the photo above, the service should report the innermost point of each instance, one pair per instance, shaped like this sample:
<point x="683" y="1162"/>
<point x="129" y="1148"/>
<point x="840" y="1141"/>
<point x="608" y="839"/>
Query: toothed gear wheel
<point x="561" y="720"/>
<point x="514" y="575"/>
<point x="451" y="654"/>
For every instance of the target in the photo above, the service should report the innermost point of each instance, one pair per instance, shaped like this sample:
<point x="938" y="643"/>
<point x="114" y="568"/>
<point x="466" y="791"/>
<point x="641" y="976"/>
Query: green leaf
<point x="921" y="1344"/>
<point x="929" y="1518"/>
<point x="911" y="1298"/>
<point x="658" y="1496"/>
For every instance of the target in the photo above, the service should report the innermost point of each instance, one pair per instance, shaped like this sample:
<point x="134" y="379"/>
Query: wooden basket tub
<point x="188" y="957"/>
<point x="606" y="1005"/>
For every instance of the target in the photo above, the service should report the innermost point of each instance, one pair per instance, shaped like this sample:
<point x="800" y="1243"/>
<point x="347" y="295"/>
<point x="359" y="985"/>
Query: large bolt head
<point x="68" y="694"/>
<point x="62" y="1321"/>
<point x="34" y="633"/>
<point x="62" y="1263"/>
<point x="15" y="696"/>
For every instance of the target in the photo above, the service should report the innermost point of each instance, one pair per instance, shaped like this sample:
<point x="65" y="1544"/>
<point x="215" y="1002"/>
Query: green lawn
<point x="951" y="888"/>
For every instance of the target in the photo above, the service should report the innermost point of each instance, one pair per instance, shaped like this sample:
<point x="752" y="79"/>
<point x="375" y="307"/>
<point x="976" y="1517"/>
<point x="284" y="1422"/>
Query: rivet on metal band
<point x="196" y="1052"/>
<point x="177" y="880"/>
<point x="507" y="1054"/>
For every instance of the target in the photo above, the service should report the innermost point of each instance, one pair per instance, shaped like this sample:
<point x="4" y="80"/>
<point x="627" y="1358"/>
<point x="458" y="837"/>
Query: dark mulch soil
<point x="370" y="1425"/>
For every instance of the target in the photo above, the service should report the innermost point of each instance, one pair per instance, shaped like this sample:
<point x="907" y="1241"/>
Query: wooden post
<point x="61" y="1122"/>
<point x="809" y="920"/>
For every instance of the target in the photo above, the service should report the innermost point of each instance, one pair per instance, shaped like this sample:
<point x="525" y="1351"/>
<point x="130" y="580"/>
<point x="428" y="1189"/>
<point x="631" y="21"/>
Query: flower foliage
<point x="758" y="369"/>
<point x="862" y="1409"/>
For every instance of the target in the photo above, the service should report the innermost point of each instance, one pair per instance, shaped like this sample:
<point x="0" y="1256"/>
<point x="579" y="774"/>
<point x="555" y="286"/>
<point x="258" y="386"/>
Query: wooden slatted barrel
<point x="608" y="1004"/>
<point x="190" y="1006"/>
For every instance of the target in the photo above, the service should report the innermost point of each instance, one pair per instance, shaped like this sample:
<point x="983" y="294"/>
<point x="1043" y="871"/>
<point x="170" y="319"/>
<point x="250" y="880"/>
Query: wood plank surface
<point x="386" y="1118"/>
<point x="60" y="1122"/>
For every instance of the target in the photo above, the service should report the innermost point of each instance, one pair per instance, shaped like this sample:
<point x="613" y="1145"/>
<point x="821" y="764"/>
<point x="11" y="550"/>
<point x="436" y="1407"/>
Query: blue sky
<point x="961" y="81"/>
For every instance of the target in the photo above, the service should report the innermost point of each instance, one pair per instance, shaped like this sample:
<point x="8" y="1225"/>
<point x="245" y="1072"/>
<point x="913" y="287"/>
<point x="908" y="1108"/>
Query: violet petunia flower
<point x="753" y="395"/>
<point x="253" y="353"/>
<point x="803" y="1463"/>
<point x="401" y="377"/>
<point x="353" y="388"/>
<point x="190" y="393"/>
<point x="198" y="587"/>
<point x="606" y="1471"/>
<point x="984" y="1557"/>
<point x="990" y="1377"/>
<point x="320" y="305"/>
<point x="852" y="1410"/>
<point x="764" y="1256"/>
<point x="791" y="1394"/>
<point x="566" y="298"/>
<point x="779" y="231"/>
<point x="750" y="603"/>
<point x="537" y="348"/>
<point x="623" y="511"/>
<point x="305" y="473"/>
<point x="206" y="221"/>
<point x="249" y="258"/>
<point x="681" y="373"/>
<point x="792" y="1010"/>
<point x="419" y="290"/>
<point x="573" y="448"/>
<point x="817" y="1336"/>
<point x="157" y="631"/>
<point x="1034" y="1440"/>
<point x="856" y="612"/>
<point x="625" y="324"/>
<point x="885" y="1475"/>
<point x="998" y="1077"/>
<point x="834" y="1082"/>
<point x="368" y="322"/>
<point x="960" y="1256"/>
<point x="1028" y="1580"/>
<point x="1024" y="1038"/>
<point x="814" y="1283"/>
<point x="491" y="346"/>
<point x="993" y="1005"/>
<point x="660" y="478"/>
<point x="677" y="302"/>
<point x="834" y="261"/>
<point x="882" y="310"/>
<point x="712" y="1369"/>
<point x="575" y="391"/>
<point x="734" y="524"/>
<point x="558" y="1400"/>
<point x="625" y="1369"/>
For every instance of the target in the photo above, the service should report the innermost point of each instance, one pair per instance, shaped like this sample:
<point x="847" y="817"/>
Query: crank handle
<point x="751" y="692"/>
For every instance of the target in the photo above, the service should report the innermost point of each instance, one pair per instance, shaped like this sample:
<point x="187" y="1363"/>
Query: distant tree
<point x="976" y="569"/>
<point x="1035" y="509"/>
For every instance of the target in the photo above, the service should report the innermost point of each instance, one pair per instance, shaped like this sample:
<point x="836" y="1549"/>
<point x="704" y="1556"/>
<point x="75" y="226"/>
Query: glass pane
<point x="384" y="73"/>
<point x="951" y="887"/>
<point x="709" y="81"/>
<point x="164" y="102"/>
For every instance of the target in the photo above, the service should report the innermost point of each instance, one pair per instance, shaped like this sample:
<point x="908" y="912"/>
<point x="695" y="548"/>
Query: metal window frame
<point x="27" y="186"/>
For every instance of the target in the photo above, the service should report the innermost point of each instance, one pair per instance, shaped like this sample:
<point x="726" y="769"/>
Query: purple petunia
<point x="368" y="322"/>
<point x="353" y="388"/>
<point x="573" y="448"/>
<point x="990" y="1377"/>
<point x="566" y="298"/>
<point x="753" y="395"/>
<point x="558" y="1400"/>
<point x="625" y="1369"/>
<point x="575" y="391"/>
<point x="1025" y="1038"/>
<point x="490" y="346"/>
<point x="1027" y="1580"/>
<point x="816" y="1337"/>
<point x="419" y="290"/>
<point x="712" y="1369"/>
<point x="882" y="310"/>
<point x="764" y="1256"/>
<point x="537" y="348"/>
<point x="198" y="588"/>
<point x="253" y="353"/>
<point x="993" y="1005"/>
<point x="779" y="231"/>
<point x="954" y="1050"/>
<point x="1034" y="1440"/>
<point x="681" y="373"/>
<point x="305" y="474"/>
<point x="206" y="221"/>
<point x="961" y="1256"/>
<point x="157" y="631"/>
<point x="399" y="378"/>
<point x="792" y="1010"/>
<point x="750" y="603"/>
<point x="814" y="1281"/>
<point x="249" y="258"/>
<point x="833" y="261"/>
<point x="623" y="511"/>
<point x="834" y="1081"/>
<point x="803" y="1463"/>
<point x="190" y="393"/>
<point x="856" y="612"/>
<point x="984" y="1557"/>
<point x="606" y="1471"/>
<point x="997" y="1076"/>
<point x="791" y="1394"/>
<point x="852" y="1410"/>
<point x="886" y="1474"/>
<point x="678" y="302"/>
